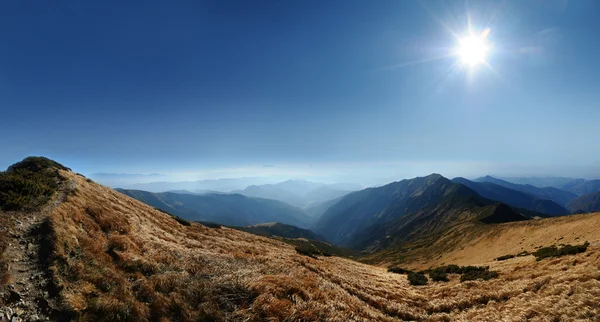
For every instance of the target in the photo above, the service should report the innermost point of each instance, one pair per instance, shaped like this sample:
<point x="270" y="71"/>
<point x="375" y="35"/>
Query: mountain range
<point x="561" y="197"/>
<point x="586" y="203"/>
<point x="375" y="218"/>
<point x="578" y="187"/>
<point x="514" y="198"/>
<point x="226" y="209"/>
<point x="299" y="193"/>
<point x="371" y="219"/>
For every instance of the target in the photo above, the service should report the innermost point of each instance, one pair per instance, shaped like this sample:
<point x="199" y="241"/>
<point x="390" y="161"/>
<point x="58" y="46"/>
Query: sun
<point x="473" y="50"/>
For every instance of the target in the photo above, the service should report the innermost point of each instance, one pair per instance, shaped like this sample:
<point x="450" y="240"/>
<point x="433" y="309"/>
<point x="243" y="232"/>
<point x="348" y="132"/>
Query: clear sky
<point x="301" y="87"/>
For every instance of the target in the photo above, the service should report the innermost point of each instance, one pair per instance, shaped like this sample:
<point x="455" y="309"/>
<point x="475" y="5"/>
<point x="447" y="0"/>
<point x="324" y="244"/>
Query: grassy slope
<point x="473" y="243"/>
<point x="117" y="258"/>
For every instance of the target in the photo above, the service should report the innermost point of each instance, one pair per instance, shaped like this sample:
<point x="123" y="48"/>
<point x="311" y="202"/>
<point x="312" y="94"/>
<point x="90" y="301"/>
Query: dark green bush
<point x="210" y="224"/>
<point x="471" y="273"/>
<point x="438" y="276"/>
<point x="554" y="251"/>
<point x="399" y="270"/>
<point x="182" y="221"/>
<point x="306" y="252"/>
<point x="450" y="269"/>
<point x="505" y="257"/>
<point x="29" y="184"/>
<point x="417" y="278"/>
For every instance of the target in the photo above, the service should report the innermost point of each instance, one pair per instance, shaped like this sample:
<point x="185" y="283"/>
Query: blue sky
<point x="301" y="88"/>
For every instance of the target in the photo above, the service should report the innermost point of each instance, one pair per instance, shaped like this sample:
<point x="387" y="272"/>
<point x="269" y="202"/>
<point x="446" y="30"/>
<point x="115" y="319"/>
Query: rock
<point x="15" y="319"/>
<point x="30" y="246"/>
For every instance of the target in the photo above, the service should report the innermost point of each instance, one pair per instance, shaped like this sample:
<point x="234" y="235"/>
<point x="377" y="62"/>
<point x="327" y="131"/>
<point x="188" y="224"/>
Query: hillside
<point x="375" y="218"/>
<point x="317" y="210"/>
<point x="226" y="209"/>
<point x="478" y="243"/>
<point x="111" y="257"/>
<point x="586" y="203"/>
<point x="582" y="187"/>
<point x="561" y="197"/>
<point x="514" y="198"/>
<point x="281" y="230"/>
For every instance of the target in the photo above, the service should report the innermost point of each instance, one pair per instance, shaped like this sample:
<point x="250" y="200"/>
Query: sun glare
<point x="473" y="50"/>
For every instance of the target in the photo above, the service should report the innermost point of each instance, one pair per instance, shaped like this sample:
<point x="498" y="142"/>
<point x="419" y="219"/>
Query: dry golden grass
<point x="474" y="243"/>
<point x="118" y="259"/>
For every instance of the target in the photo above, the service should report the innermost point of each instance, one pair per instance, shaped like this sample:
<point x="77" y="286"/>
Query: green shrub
<point x="438" y="276"/>
<point x="306" y="252"/>
<point x="210" y="224"/>
<point x="417" y="278"/>
<point x="471" y="273"/>
<point x="29" y="184"/>
<point x="399" y="270"/>
<point x="554" y="251"/>
<point x="505" y="257"/>
<point x="450" y="269"/>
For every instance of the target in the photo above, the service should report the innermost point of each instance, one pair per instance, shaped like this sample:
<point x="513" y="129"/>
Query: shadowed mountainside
<point x="375" y="218"/>
<point x="561" y="197"/>
<point x="586" y="203"/>
<point x="281" y="230"/>
<point x="514" y="198"/>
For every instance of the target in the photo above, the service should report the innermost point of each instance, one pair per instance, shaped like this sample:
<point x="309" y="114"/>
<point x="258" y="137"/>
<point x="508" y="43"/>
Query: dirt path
<point x="27" y="296"/>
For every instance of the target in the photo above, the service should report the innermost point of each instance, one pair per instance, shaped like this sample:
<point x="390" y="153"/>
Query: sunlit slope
<point x="115" y="258"/>
<point x="472" y="243"/>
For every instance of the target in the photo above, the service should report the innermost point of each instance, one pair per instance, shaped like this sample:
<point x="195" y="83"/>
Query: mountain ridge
<point x="226" y="209"/>
<point x="402" y="208"/>
<point x="514" y="198"/>
<point x="561" y="197"/>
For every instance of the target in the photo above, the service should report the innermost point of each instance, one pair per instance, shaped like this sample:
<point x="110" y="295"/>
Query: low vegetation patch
<point x="399" y="270"/>
<point x="505" y="257"/>
<point x="29" y="184"/>
<point x="417" y="278"/>
<point x="554" y="251"/>
<point x="448" y="269"/>
<point x="468" y="273"/>
<point x="471" y="273"/>
<point x="509" y="256"/>
<point x="438" y="276"/>
<point x="210" y="224"/>
<point x="310" y="251"/>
